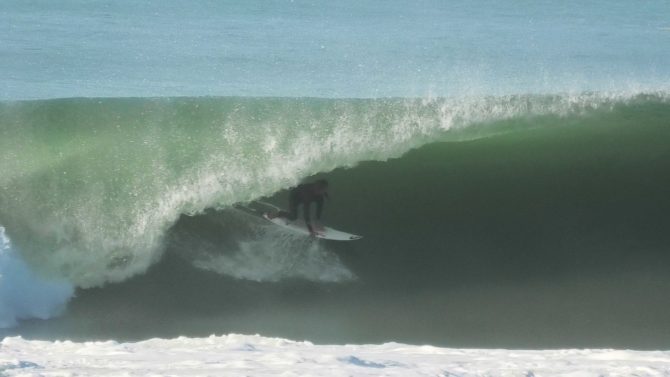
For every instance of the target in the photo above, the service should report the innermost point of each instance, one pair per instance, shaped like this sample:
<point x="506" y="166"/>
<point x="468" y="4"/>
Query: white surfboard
<point x="325" y="233"/>
<point x="297" y="226"/>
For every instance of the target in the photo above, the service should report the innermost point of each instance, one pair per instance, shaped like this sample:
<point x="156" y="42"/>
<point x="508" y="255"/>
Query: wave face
<point x="90" y="186"/>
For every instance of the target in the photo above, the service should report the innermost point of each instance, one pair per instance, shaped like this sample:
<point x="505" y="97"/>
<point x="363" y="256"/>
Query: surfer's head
<point x="321" y="187"/>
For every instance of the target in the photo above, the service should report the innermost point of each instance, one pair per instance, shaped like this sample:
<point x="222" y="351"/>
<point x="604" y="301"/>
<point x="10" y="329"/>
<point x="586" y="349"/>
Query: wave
<point x="91" y="186"/>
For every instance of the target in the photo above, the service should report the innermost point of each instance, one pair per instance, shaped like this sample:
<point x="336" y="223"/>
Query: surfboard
<point x="297" y="226"/>
<point x="326" y="233"/>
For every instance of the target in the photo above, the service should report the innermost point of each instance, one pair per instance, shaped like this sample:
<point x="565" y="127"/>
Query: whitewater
<point x="244" y="355"/>
<point x="506" y="164"/>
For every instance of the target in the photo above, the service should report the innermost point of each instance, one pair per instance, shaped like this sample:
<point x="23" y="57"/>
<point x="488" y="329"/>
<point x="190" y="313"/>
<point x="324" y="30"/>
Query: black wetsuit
<point x="305" y="194"/>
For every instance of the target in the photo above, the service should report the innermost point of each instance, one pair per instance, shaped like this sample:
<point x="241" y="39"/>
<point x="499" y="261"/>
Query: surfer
<point x="306" y="194"/>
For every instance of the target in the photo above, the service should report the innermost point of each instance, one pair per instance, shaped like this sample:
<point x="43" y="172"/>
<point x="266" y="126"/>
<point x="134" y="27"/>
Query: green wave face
<point x="89" y="187"/>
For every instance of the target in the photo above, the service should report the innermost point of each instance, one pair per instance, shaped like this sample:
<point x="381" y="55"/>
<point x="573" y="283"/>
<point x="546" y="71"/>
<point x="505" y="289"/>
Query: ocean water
<point x="506" y="162"/>
<point x="329" y="49"/>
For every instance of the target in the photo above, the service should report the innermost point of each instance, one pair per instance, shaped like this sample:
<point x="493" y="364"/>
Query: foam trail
<point x="270" y="260"/>
<point x="260" y="252"/>
<point x="23" y="294"/>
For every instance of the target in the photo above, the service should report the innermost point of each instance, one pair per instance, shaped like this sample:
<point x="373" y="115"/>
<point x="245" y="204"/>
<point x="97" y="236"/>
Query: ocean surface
<point x="507" y="162"/>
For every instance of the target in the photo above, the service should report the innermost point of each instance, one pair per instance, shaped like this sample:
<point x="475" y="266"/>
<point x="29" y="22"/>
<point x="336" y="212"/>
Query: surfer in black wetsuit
<point x="306" y="194"/>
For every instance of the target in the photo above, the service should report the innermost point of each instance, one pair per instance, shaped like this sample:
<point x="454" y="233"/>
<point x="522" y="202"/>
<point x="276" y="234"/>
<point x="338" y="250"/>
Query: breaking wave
<point x="90" y="187"/>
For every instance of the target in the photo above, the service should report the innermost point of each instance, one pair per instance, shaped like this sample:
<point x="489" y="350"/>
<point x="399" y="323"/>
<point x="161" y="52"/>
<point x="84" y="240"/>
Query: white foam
<point x="23" y="294"/>
<point x="266" y="254"/>
<point x="276" y="259"/>
<point x="241" y="355"/>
